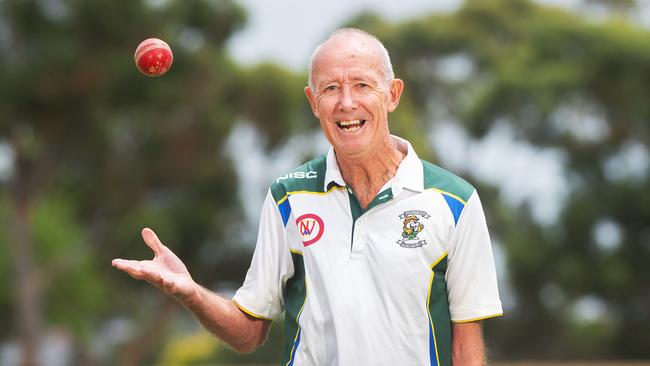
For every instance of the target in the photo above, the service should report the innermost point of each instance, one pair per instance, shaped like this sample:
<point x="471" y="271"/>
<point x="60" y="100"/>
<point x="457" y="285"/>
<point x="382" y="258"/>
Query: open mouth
<point x="351" y="126"/>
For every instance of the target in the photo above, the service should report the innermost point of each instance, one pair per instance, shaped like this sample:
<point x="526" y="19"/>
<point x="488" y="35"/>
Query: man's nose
<point x="347" y="99"/>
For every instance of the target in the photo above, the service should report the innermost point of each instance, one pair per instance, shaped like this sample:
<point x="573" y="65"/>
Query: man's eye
<point x="330" y="88"/>
<point x="363" y="85"/>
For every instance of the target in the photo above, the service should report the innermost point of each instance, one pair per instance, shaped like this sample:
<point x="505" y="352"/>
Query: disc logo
<point x="311" y="228"/>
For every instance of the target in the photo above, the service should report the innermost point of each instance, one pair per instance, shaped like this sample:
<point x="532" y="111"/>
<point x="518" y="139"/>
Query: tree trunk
<point x="24" y="277"/>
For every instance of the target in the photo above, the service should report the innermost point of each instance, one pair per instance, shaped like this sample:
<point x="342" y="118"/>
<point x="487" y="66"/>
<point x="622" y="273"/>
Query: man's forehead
<point x="340" y="74"/>
<point x="352" y="63"/>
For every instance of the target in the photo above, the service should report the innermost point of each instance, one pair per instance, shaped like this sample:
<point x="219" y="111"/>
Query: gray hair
<point x="388" y="66"/>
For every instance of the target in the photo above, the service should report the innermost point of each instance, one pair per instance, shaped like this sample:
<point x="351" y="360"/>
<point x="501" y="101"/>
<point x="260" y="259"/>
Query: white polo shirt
<point x="379" y="286"/>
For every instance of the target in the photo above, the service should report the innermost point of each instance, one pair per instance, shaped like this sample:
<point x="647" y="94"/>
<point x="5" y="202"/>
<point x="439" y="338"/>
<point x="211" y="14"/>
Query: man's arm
<point x="223" y="318"/>
<point x="220" y="316"/>
<point x="468" y="348"/>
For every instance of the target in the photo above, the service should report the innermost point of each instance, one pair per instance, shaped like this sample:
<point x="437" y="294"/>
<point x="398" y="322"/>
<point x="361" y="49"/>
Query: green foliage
<point x="5" y="278"/>
<point x="102" y="150"/>
<point x="277" y="115"/>
<point x="67" y="268"/>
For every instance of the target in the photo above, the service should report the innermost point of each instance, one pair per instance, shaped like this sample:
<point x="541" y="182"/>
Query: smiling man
<point x="351" y="91"/>
<point x="374" y="256"/>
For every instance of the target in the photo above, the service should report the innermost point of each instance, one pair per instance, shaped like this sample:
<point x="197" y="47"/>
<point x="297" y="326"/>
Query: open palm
<point x="165" y="271"/>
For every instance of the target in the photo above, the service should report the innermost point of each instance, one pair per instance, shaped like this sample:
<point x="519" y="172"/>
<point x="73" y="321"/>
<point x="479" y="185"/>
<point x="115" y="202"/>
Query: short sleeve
<point x="261" y="293"/>
<point x="471" y="273"/>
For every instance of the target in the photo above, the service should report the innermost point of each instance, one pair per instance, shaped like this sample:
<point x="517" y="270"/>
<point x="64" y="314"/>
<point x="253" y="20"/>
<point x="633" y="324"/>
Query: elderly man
<point x="375" y="256"/>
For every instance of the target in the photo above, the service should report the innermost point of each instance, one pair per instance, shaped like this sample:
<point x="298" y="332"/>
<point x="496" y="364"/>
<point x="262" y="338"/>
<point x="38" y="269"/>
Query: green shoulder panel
<point x="307" y="177"/>
<point x="441" y="179"/>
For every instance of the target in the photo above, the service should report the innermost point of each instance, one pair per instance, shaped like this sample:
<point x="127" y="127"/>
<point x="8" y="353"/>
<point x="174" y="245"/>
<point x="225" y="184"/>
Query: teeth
<point x="348" y="123"/>
<point x="351" y="125"/>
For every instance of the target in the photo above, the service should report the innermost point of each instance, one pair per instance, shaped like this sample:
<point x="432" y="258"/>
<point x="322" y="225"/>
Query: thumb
<point x="151" y="239"/>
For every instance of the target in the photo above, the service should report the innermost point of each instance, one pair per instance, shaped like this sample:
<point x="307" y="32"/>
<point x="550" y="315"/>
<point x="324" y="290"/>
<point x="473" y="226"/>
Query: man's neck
<point x="368" y="174"/>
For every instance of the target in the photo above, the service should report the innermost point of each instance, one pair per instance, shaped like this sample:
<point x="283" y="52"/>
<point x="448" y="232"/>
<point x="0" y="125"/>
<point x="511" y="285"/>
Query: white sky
<point x="287" y="31"/>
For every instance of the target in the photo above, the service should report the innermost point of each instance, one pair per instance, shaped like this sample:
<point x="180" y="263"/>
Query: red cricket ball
<point x="153" y="57"/>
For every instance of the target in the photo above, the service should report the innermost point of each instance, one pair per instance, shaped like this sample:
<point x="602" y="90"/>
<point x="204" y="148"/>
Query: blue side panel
<point x="295" y="348"/>
<point x="455" y="206"/>
<point x="285" y="211"/>
<point x="432" y="348"/>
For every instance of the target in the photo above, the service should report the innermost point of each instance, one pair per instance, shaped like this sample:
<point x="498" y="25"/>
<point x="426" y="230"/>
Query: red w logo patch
<point x="311" y="227"/>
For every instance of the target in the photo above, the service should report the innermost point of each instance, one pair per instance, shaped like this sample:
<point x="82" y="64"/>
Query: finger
<point x="149" y="273"/>
<point x="133" y="268"/>
<point x="152" y="241"/>
<point x="122" y="264"/>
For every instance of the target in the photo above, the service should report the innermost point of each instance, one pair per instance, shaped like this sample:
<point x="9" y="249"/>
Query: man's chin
<point x="351" y="149"/>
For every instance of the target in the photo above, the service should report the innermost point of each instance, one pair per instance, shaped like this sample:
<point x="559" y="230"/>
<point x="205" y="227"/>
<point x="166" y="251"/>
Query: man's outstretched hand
<point x="222" y="317"/>
<point x="165" y="271"/>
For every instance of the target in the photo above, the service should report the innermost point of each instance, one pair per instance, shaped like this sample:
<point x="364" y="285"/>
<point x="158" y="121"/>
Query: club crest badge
<point x="412" y="226"/>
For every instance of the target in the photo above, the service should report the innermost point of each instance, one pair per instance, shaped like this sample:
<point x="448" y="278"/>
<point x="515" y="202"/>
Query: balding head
<point x="351" y="38"/>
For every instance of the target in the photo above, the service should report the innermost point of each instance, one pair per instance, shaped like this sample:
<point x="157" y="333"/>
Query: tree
<point x="101" y="150"/>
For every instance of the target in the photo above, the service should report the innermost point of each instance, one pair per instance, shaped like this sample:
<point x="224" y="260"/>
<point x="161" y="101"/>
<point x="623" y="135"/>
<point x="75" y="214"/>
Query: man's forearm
<point x="223" y="318"/>
<point x="468" y="348"/>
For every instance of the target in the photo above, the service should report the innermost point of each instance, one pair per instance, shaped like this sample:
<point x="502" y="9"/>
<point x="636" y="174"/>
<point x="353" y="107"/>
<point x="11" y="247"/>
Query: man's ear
<point x="312" y="101"/>
<point x="396" y="87"/>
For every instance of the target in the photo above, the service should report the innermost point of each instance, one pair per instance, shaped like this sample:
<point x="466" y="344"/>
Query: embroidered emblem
<point x="311" y="228"/>
<point x="411" y="228"/>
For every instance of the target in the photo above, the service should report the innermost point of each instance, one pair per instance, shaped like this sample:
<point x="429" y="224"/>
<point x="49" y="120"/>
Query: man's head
<point x="348" y="32"/>
<point x="351" y="91"/>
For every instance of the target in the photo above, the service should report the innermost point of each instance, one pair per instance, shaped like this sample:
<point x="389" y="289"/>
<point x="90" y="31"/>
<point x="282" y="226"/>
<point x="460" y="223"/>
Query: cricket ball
<point x="153" y="57"/>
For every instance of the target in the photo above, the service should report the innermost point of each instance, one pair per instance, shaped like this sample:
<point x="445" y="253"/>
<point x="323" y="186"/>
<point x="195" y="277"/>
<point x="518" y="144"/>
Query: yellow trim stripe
<point x="250" y="312"/>
<point x="282" y="199"/>
<point x="447" y="194"/>
<point x="431" y="279"/>
<point x="439" y="259"/>
<point x="295" y="251"/>
<point x="334" y="188"/>
<point x="291" y="353"/>
<point x="433" y="329"/>
<point x="476" y="319"/>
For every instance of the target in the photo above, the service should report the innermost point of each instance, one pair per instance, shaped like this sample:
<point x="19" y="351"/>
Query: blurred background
<point x="543" y="105"/>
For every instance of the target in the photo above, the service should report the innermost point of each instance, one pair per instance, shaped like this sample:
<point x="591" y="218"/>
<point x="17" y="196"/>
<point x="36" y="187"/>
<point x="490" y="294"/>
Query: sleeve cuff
<point x="458" y="321"/>
<point x="250" y="312"/>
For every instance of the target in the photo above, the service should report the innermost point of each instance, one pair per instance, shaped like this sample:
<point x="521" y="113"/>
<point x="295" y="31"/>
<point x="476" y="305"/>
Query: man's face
<point x="351" y="96"/>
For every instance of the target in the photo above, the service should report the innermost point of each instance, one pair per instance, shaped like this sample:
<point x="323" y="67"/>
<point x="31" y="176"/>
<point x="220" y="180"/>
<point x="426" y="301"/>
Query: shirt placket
<point x="359" y="217"/>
